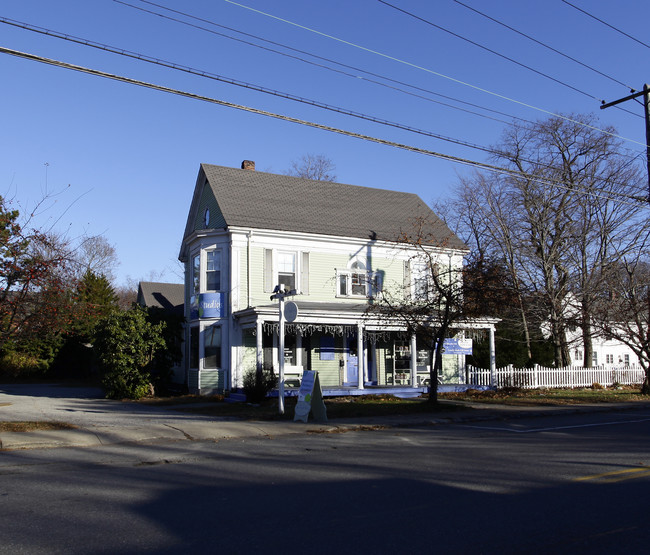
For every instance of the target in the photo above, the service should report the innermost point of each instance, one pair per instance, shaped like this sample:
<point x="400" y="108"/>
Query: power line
<point x="258" y="88"/>
<point x="536" y="41"/>
<point x="250" y="86"/>
<point x="623" y="198"/>
<point x="322" y="66"/>
<point x="431" y="71"/>
<point x="607" y="24"/>
<point x="474" y="43"/>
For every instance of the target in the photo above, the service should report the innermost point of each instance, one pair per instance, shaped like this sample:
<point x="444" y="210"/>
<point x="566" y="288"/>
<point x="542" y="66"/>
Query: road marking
<point x="617" y="475"/>
<point x="553" y="428"/>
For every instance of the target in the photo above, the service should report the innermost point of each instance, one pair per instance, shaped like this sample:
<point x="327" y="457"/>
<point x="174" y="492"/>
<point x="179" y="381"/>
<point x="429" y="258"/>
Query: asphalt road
<point x="572" y="483"/>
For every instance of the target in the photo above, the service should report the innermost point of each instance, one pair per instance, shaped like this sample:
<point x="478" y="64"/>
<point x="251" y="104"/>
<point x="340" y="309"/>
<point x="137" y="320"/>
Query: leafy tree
<point x="91" y="300"/>
<point x="34" y="302"/>
<point x="126" y="344"/>
<point x="313" y="166"/>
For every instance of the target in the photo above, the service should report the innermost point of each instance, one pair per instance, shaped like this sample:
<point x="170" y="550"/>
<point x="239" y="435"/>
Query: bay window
<point x="212" y="347"/>
<point x="213" y="270"/>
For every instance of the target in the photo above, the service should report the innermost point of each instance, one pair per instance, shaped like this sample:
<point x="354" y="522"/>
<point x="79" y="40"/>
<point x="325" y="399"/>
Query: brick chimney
<point x="248" y="165"/>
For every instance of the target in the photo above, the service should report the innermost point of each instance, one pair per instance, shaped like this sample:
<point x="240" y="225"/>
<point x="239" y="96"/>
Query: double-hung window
<point x="196" y="275"/>
<point x="357" y="281"/>
<point x="213" y="270"/>
<point x="287" y="269"/>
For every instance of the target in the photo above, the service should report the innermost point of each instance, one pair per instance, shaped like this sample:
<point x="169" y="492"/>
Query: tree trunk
<point x="435" y="365"/>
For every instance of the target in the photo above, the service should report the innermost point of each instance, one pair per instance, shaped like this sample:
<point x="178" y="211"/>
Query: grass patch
<point x="337" y="407"/>
<point x="26" y="426"/>
<point x="367" y="406"/>
<point x="554" y="397"/>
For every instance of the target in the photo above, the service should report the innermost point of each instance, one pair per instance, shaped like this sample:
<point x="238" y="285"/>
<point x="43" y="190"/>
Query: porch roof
<point x="342" y="313"/>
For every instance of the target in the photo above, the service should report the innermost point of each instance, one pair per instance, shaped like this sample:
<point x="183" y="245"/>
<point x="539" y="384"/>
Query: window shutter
<point x="304" y="274"/>
<point x="407" y="279"/>
<point x="268" y="271"/>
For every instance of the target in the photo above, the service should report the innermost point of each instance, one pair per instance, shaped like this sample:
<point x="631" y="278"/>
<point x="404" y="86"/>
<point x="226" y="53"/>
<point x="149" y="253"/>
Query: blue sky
<point x="126" y="157"/>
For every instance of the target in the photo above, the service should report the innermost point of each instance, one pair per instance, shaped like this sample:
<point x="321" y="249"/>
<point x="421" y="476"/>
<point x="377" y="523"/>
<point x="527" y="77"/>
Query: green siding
<point x="207" y="200"/>
<point x="329" y="371"/>
<point x="249" y="356"/>
<point x="212" y="379"/>
<point x="322" y="275"/>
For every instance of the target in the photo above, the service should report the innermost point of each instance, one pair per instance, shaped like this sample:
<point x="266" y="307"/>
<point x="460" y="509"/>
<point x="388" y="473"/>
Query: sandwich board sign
<point x="310" y="398"/>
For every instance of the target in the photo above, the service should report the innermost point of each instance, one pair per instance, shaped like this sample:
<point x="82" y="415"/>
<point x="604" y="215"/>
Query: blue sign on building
<point x="453" y="346"/>
<point x="208" y="305"/>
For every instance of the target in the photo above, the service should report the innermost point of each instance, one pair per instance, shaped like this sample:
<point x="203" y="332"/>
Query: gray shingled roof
<point x="262" y="200"/>
<point x="170" y="296"/>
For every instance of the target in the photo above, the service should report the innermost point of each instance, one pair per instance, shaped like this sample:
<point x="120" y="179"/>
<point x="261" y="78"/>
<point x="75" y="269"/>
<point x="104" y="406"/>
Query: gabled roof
<point x="168" y="296"/>
<point x="249" y="198"/>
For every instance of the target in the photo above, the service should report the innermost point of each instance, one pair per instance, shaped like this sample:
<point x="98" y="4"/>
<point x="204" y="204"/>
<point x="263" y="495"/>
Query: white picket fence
<point x="543" y="377"/>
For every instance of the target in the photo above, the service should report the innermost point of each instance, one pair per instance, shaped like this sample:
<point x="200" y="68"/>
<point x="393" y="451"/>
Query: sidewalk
<point x="99" y="421"/>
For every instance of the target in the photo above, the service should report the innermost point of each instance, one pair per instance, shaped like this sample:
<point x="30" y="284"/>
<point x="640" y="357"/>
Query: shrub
<point x="14" y="364"/>
<point x="126" y="344"/>
<point x="257" y="385"/>
<point x="596" y="385"/>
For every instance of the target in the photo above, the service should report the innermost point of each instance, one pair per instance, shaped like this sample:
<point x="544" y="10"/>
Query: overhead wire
<point x="243" y="84"/>
<point x="490" y="50"/>
<point x="513" y="118"/>
<point x="238" y="83"/>
<point x="552" y="49"/>
<point x="607" y="24"/>
<point x="325" y="59"/>
<point x="430" y="71"/>
<point x="620" y="197"/>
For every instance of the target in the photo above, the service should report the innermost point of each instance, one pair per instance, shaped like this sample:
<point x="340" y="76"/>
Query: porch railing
<point x="545" y="377"/>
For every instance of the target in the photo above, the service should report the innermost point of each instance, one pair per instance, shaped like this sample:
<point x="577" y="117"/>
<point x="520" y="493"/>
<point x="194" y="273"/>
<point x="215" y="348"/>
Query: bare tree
<point x="431" y="301"/>
<point x="558" y="219"/>
<point x="313" y="166"/>
<point x="622" y="312"/>
<point x="97" y="255"/>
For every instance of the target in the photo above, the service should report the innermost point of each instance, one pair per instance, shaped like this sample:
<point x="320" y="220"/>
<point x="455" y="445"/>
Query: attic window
<point x="206" y="218"/>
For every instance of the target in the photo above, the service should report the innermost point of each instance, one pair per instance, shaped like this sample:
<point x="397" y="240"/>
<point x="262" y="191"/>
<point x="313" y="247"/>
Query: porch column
<point x="361" y="356"/>
<point x="298" y="348"/>
<point x="414" y="361"/>
<point x="259" y="349"/>
<point x="493" y="359"/>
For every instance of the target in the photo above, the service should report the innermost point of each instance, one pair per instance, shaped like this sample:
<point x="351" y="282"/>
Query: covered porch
<point x="353" y="351"/>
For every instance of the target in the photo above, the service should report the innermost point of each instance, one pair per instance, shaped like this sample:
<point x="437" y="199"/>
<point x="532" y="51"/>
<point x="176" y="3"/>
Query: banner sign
<point x="453" y="346"/>
<point x="208" y="305"/>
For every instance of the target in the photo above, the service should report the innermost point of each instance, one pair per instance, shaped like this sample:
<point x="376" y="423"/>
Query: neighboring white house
<point x="335" y="244"/>
<point x="606" y="351"/>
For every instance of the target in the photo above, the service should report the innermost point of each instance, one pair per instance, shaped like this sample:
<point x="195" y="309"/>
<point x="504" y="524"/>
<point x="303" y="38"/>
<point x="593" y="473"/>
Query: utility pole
<point x="646" y="110"/>
<point x="280" y="293"/>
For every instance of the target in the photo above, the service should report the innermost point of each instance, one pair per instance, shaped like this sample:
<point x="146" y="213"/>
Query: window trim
<point x="372" y="279"/>
<point x="220" y="270"/>
<point x="219" y="355"/>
